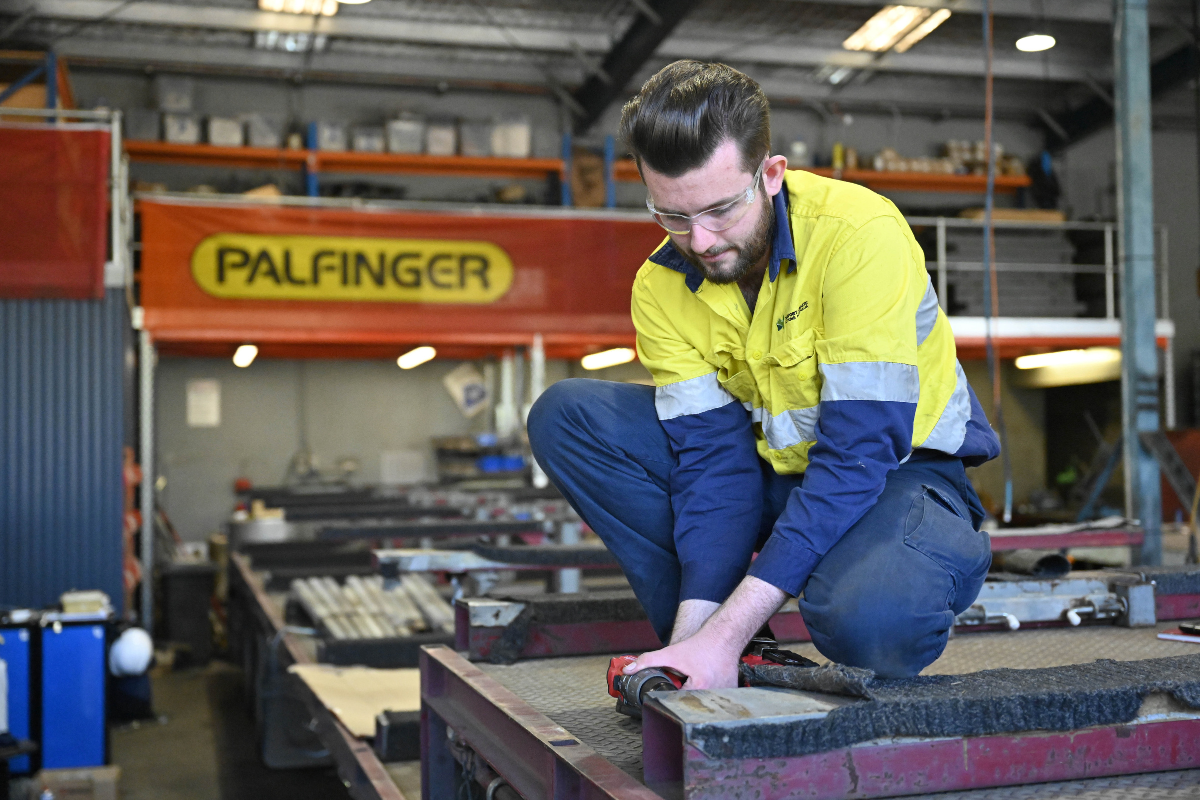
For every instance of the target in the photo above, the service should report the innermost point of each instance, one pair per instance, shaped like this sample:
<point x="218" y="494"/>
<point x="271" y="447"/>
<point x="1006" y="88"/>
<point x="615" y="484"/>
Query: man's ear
<point x="773" y="174"/>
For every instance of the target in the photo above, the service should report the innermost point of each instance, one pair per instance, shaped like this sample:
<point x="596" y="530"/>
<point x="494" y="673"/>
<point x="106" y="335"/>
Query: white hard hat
<point x="130" y="654"/>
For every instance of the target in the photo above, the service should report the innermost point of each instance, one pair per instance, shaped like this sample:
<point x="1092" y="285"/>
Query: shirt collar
<point x="782" y="248"/>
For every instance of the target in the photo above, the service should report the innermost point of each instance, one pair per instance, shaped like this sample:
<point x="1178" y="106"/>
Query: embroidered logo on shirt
<point x="785" y="319"/>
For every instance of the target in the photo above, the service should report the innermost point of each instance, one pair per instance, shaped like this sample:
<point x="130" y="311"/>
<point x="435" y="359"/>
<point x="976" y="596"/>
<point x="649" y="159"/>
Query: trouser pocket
<point x="938" y="530"/>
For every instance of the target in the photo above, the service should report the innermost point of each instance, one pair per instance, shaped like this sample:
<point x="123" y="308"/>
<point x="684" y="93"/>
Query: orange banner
<point x="339" y="282"/>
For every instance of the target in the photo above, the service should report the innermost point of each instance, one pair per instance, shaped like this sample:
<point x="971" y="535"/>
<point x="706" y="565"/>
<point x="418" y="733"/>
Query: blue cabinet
<point x="73" y="695"/>
<point x="15" y="652"/>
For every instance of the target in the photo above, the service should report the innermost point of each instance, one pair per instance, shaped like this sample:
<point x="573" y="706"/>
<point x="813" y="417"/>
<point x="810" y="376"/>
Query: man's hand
<point x="709" y="658"/>
<point x="707" y="664"/>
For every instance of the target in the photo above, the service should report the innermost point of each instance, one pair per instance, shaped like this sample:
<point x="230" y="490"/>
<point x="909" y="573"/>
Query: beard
<point x="749" y="252"/>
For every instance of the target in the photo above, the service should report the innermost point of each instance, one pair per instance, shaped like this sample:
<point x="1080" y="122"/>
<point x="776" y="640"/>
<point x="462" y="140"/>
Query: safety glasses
<point x="715" y="219"/>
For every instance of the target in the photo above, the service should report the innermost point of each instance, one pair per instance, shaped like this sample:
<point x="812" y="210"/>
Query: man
<point x="808" y="406"/>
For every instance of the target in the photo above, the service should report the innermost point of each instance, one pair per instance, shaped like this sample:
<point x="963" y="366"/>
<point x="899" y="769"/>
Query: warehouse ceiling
<point x="793" y="47"/>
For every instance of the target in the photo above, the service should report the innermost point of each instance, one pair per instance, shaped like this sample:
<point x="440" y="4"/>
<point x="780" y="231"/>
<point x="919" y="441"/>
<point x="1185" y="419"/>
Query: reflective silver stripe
<point x="792" y="427"/>
<point x="927" y="314"/>
<point x="693" y="396"/>
<point x="870" y="380"/>
<point x="951" y="428"/>
<point x="805" y="420"/>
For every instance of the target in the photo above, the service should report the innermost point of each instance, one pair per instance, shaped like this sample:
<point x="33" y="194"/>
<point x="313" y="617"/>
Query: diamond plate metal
<point x="572" y="692"/>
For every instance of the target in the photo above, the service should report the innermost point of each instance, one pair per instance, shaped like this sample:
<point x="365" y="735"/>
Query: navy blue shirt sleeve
<point x="716" y="493"/>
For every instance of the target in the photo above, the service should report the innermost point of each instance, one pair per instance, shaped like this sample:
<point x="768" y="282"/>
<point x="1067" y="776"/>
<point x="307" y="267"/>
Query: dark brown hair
<point x="688" y="109"/>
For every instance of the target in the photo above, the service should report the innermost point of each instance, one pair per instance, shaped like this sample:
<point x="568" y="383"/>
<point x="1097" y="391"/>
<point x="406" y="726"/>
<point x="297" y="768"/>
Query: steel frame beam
<point x="890" y="768"/>
<point x="1135" y="214"/>
<point x="538" y="758"/>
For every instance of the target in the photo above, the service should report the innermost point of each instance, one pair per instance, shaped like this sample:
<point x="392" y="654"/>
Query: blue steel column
<point x="1135" y="214"/>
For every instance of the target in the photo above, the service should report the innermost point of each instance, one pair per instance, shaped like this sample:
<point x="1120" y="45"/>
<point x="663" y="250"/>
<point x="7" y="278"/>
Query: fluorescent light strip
<point x="1035" y="43"/>
<point x="608" y="358"/>
<point x="888" y="26"/>
<point x="1064" y="358"/>
<point x="324" y="8"/>
<point x="245" y="355"/>
<point x="924" y="29"/>
<point x="415" y="357"/>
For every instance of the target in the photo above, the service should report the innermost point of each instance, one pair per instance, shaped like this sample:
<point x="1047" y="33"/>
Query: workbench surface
<point x="571" y="691"/>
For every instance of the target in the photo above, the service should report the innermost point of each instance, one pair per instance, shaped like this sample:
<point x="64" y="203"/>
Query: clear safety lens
<point x="714" y="219"/>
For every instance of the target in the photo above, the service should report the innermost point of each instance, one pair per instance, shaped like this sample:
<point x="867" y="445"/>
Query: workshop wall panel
<point x="61" y="426"/>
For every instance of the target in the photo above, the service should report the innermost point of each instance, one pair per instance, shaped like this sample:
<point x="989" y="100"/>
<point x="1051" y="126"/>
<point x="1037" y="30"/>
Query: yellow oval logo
<point x="245" y="266"/>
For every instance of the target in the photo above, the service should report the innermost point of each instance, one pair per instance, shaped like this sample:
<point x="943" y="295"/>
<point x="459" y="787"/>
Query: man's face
<point x="722" y="256"/>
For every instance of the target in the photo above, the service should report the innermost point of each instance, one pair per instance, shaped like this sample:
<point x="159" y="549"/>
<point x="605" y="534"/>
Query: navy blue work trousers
<point x="883" y="597"/>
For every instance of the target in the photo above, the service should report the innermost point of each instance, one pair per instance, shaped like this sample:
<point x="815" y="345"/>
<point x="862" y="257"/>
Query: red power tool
<point x="631" y="690"/>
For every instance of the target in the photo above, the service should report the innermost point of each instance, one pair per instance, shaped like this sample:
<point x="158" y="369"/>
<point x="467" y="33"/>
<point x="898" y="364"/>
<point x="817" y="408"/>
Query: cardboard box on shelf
<point x="181" y="128"/>
<point x="331" y="136"/>
<point x="142" y="124"/>
<point x="441" y="139"/>
<point x="406" y="134"/>
<point x="475" y="138"/>
<point x="368" y="139"/>
<point x="87" y="783"/>
<point x="512" y="137"/>
<point x="174" y="93"/>
<point x="225" y="132"/>
<point x="263" y="131"/>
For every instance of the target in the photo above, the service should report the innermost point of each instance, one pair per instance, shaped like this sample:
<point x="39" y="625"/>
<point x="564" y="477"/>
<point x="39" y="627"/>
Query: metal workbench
<point x="549" y="727"/>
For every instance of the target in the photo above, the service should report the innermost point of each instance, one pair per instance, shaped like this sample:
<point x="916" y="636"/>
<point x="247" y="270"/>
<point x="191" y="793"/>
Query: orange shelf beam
<point x="207" y="155"/>
<point x="625" y="170"/>
<point x="418" y="164"/>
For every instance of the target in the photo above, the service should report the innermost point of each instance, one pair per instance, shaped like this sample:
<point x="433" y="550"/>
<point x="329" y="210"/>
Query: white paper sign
<point x="468" y="389"/>
<point x="203" y="403"/>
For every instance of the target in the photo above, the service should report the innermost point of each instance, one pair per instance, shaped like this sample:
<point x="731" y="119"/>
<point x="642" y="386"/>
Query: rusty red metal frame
<point x="892" y="768"/>
<point x="538" y="758"/>
<point x="360" y="769"/>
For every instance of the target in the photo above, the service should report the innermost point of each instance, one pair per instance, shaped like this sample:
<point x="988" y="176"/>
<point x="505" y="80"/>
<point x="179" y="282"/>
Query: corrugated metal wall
<point x="61" y="419"/>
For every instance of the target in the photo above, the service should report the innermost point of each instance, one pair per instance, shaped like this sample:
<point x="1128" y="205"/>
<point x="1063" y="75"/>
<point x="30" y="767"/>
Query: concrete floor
<point x="203" y="746"/>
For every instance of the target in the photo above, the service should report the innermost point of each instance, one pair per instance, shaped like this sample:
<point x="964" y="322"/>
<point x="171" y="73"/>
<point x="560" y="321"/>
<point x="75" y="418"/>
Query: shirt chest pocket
<point x="733" y="372"/>
<point x="795" y="380"/>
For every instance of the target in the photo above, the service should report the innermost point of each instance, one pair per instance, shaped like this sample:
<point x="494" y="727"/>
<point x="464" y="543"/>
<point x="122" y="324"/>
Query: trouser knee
<point x="555" y="413"/>
<point x="893" y="643"/>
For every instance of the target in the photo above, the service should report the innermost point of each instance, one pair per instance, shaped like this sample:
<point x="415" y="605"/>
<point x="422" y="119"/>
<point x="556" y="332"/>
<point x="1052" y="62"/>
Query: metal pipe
<point x="1135" y="215"/>
<point x="941" y="261"/>
<point x="146" y="359"/>
<point x="537" y="385"/>
<point x="1110" y="289"/>
<point x="567" y="581"/>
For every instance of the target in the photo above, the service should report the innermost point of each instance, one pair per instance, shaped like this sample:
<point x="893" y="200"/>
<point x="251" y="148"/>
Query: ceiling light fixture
<point x="324" y="8"/>
<point x="924" y="29"/>
<point x="245" y="355"/>
<point x="608" y="358"/>
<point x="889" y="25"/>
<point x="416" y="357"/>
<point x="1035" y="42"/>
<point x="1067" y="358"/>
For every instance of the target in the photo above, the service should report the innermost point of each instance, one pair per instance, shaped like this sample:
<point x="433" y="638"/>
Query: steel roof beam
<point x="641" y="39"/>
<point x="1173" y="69"/>
<point x="1161" y="13"/>
<point x="352" y="27"/>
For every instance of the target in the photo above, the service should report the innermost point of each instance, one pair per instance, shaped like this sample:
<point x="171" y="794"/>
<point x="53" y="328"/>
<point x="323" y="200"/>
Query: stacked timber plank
<point x="362" y="608"/>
